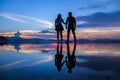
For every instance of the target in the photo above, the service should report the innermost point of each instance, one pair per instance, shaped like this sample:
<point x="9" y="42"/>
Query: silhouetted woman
<point x="58" y="57"/>
<point x="58" y="26"/>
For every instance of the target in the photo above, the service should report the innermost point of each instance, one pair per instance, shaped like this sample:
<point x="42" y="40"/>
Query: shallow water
<point x="53" y="61"/>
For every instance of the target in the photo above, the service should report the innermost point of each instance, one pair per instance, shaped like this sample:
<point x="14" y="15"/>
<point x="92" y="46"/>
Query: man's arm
<point x="75" y="23"/>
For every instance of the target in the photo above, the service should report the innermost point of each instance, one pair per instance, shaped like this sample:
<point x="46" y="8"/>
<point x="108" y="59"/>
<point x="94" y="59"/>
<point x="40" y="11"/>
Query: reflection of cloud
<point x="7" y="66"/>
<point x="103" y="66"/>
<point x="86" y="49"/>
<point x="28" y="47"/>
<point x="41" y="61"/>
<point x="25" y="63"/>
<point x="7" y="47"/>
<point x="32" y="48"/>
<point x="101" y="49"/>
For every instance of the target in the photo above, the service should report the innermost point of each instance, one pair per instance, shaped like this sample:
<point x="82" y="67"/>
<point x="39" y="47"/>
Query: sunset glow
<point x="80" y="34"/>
<point x="30" y="48"/>
<point x="89" y="49"/>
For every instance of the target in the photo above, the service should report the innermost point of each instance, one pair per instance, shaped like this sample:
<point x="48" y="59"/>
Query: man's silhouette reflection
<point x="70" y="58"/>
<point x="58" y="57"/>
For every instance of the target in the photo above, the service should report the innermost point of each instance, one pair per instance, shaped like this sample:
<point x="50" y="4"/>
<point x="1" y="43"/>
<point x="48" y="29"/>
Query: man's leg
<point x="73" y="31"/>
<point x="68" y="35"/>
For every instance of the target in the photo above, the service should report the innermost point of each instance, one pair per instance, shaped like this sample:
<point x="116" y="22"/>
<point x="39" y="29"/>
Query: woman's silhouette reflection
<point x="58" y="57"/>
<point x="70" y="58"/>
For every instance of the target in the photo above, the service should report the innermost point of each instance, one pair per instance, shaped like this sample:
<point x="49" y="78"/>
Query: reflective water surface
<point x="60" y="61"/>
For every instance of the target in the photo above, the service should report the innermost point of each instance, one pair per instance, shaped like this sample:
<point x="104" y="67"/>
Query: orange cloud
<point x="111" y="33"/>
<point x="7" y="34"/>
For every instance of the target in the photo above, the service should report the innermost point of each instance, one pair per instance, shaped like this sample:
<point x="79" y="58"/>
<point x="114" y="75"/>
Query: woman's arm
<point x="55" y="23"/>
<point x="63" y="21"/>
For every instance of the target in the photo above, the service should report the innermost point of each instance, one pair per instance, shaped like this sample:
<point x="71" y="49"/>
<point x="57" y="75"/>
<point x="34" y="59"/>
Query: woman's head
<point x="59" y="15"/>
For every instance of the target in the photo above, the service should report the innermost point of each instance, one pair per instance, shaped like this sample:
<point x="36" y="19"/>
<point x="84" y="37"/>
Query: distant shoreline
<point x="4" y="42"/>
<point x="39" y="40"/>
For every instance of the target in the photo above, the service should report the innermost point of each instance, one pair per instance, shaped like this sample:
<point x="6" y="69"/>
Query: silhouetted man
<point x="70" y="25"/>
<point x="58" y="58"/>
<point x="70" y="59"/>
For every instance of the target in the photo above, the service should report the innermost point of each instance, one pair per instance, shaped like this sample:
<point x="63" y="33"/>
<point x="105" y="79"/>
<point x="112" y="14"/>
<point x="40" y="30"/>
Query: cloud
<point x="96" y="6"/>
<point x="26" y="19"/>
<point x="47" y="23"/>
<point x="106" y="0"/>
<point x="30" y="31"/>
<point x="45" y="34"/>
<point x="101" y="5"/>
<point x="100" y="19"/>
<point x="12" y="17"/>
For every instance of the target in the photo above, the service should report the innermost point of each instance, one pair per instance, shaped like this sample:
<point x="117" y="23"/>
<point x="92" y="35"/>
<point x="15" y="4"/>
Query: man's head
<point x="70" y="13"/>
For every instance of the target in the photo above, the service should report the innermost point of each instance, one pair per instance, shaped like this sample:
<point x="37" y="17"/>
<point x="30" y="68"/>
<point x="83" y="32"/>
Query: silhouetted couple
<point x="70" y="26"/>
<point x="70" y="59"/>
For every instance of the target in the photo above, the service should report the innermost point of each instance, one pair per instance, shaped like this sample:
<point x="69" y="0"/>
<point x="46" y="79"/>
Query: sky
<point x="35" y="18"/>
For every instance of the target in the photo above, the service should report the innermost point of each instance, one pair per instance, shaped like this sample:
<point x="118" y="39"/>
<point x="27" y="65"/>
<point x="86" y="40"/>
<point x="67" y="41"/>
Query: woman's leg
<point x="61" y="35"/>
<point x="57" y="35"/>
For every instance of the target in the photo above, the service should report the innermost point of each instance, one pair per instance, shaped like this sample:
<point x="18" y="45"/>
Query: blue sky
<point x="39" y="15"/>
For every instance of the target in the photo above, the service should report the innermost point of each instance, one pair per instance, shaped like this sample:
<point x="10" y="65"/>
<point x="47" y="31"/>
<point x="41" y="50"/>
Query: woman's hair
<point x="59" y="16"/>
